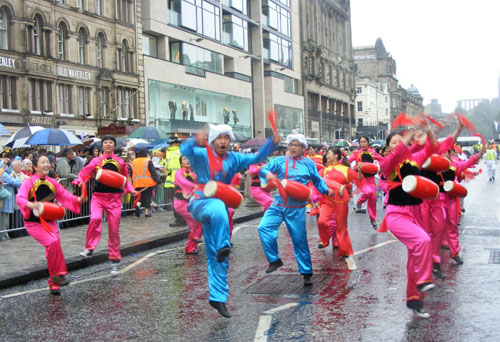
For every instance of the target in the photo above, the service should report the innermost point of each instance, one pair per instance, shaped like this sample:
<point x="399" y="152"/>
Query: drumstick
<point x="434" y="121"/>
<point x="272" y="116"/>
<point x="138" y="197"/>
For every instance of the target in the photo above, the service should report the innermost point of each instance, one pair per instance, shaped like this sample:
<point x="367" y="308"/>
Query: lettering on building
<point x="41" y="120"/>
<point x="72" y="73"/>
<point x="7" y="62"/>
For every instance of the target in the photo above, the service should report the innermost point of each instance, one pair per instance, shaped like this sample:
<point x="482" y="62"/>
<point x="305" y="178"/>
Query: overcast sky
<point x="449" y="49"/>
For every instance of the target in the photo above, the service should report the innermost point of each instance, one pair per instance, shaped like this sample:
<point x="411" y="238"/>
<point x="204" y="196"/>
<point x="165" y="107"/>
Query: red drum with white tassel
<point x="369" y="168"/>
<point x="455" y="189"/>
<point x="420" y="187"/>
<point x="296" y="190"/>
<point x="111" y="178"/>
<point x="49" y="211"/>
<point x="226" y="193"/>
<point x="436" y="163"/>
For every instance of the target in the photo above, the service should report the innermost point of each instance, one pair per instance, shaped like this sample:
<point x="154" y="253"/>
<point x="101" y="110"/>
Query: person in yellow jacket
<point x="144" y="180"/>
<point x="173" y="163"/>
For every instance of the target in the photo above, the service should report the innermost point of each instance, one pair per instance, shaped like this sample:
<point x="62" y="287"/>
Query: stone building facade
<point x="71" y="64"/>
<point x="328" y="69"/>
<point x="372" y="109"/>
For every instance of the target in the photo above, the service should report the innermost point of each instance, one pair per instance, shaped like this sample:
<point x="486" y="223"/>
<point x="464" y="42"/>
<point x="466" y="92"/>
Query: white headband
<point x="215" y="131"/>
<point x="297" y="137"/>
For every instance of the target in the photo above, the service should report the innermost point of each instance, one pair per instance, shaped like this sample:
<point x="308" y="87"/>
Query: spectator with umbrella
<point x="10" y="184"/>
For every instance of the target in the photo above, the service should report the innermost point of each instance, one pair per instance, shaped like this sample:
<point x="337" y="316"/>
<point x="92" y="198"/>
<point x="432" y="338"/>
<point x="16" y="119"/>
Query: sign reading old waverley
<point x="8" y="62"/>
<point x="73" y="73"/>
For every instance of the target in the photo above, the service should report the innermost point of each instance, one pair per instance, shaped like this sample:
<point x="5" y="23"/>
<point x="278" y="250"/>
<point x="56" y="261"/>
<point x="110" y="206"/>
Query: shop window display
<point x="196" y="108"/>
<point x="289" y="119"/>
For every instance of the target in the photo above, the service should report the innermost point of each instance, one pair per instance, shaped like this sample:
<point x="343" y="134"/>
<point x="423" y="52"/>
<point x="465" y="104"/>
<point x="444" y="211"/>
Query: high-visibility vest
<point x="141" y="177"/>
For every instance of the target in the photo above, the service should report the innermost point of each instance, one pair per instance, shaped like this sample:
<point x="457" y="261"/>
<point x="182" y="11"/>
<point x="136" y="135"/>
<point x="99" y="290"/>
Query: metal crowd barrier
<point x="13" y="224"/>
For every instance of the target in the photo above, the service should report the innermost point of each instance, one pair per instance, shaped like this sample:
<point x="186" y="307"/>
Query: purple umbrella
<point x="255" y="142"/>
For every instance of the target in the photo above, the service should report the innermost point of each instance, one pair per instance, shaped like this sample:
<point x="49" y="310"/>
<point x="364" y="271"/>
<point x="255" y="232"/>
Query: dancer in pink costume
<point x="35" y="190"/>
<point x="108" y="199"/>
<point x="185" y="182"/>
<point x="402" y="216"/>
<point x="260" y="195"/>
<point x="450" y="202"/>
<point x="433" y="210"/>
<point x="367" y="155"/>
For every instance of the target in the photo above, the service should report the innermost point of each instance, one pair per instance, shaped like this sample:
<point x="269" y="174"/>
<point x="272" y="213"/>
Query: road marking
<point x="281" y="308"/>
<point x="374" y="247"/>
<point x="263" y="328"/>
<point x="482" y="227"/>
<point x="265" y="322"/>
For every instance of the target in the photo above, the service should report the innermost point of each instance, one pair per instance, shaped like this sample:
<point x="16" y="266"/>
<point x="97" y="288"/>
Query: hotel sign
<point x="73" y="73"/>
<point x="7" y="62"/>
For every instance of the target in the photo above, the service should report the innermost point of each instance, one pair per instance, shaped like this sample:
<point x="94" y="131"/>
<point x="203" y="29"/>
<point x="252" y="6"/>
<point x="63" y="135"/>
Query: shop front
<point x="290" y="120"/>
<point x="180" y="109"/>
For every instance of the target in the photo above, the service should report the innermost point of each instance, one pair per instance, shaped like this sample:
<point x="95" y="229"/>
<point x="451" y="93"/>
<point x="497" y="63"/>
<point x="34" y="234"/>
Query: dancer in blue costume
<point x="212" y="212"/>
<point x="300" y="169"/>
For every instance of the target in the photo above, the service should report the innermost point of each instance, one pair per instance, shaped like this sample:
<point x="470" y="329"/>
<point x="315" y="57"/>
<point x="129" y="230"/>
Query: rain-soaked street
<point x="161" y="295"/>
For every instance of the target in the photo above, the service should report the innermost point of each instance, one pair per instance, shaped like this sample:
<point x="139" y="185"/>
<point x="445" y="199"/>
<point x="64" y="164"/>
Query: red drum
<point x="49" y="211"/>
<point x="436" y="163"/>
<point x="335" y="186"/>
<point x="269" y="186"/>
<point x="420" y="187"/>
<point x="454" y="189"/>
<point x="296" y="190"/>
<point x="369" y="168"/>
<point x="226" y="193"/>
<point x="111" y="178"/>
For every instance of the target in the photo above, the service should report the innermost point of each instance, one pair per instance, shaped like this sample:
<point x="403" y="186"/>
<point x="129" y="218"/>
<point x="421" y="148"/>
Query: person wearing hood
<point x="214" y="161"/>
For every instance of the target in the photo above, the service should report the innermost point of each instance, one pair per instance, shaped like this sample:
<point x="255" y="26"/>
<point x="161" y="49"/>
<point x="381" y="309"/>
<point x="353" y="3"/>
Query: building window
<point x="196" y="57"/>
<point x="359" y="90"/>
<point x="79" y="4"/>
<point x="40" y="95"/>
<point x="197" y="15"/>
<point x="4" y="31"/>
<point x="277" y="49"/>
<point x="123" y="11"/>
<point x="125" y="57"/>
<point x="98" y="7"/>
<point x="82" y="37"/>
<point x="8" y="98"/>
<point x="64" y="98"/>
<point x="360" y="106"/>
<point x="104" y="101"/>
<point x="100" y="50"/>
<point x="149" y="45"/>
<point x="239" y="5"/>
<point x="276" y="17"/>
<point x="36" y="37"/>
<point x="83" y="101"/>
<point x="235" y="31"/>
<point x="125" y="106"/>
<point x="61" y="41"/>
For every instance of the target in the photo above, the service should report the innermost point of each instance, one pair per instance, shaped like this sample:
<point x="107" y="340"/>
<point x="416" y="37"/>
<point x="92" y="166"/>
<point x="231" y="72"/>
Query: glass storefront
<point x="289" y="119"/>
<point x="180" y="109"/>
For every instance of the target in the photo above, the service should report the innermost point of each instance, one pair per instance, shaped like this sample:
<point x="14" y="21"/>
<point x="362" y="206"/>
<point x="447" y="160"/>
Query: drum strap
<point x="394" y="184"/>
<point x="44" y="223"/>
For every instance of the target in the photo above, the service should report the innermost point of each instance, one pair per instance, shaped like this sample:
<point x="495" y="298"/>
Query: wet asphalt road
<point x="161" y="295"/>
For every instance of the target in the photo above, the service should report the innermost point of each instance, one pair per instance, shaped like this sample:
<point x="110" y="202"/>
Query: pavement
<point x="23" y="259"/>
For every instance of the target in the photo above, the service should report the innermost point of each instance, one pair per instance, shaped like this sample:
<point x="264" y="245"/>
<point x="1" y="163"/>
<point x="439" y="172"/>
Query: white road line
<point x="122" y="271"/>
<point x="265" y="322"/>
<point x="263" y="328"/>
<point x="482" y="227"/>
<point x="374" y="247"/>
<point x="281" y="308"/>
<point x="235" y="230"/>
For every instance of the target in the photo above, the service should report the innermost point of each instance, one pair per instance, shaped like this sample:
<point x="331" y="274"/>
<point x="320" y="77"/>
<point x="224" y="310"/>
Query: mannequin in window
<point x="191" y="112"/>
<point x="173" y="107"/>
<point x="184" y="110"/>
<point x="235" y="117"/>
<point x="225" y="115"/>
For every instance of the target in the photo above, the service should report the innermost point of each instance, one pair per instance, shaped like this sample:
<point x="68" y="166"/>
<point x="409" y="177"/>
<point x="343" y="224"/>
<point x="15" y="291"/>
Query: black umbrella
<point x="240" y="137"/>
<point x="255" y="142"/>
<point x="121" y="143"/>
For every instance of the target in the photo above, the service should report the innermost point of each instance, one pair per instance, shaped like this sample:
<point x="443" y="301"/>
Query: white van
<point x="466" y="144"/>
